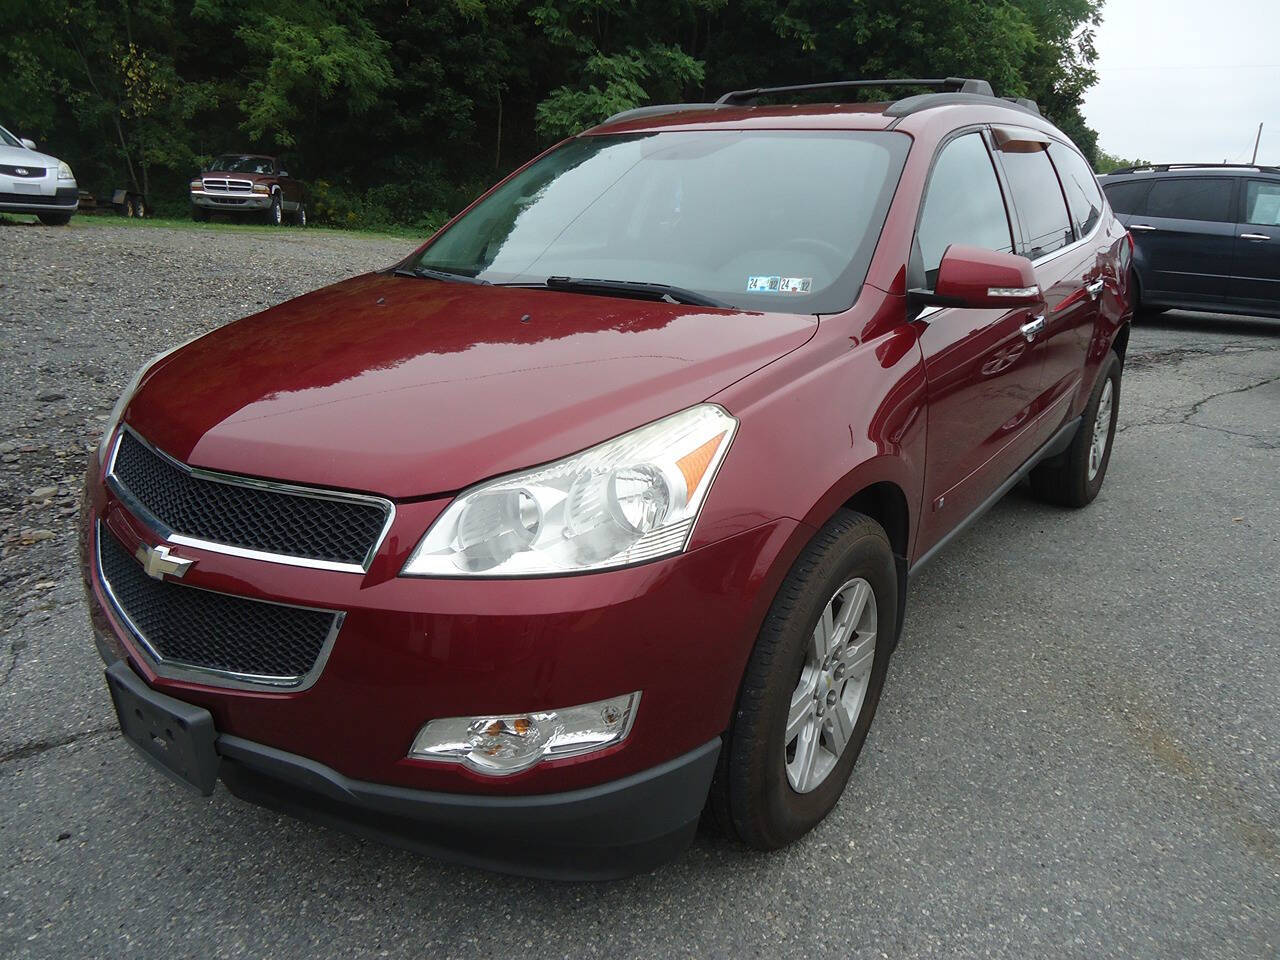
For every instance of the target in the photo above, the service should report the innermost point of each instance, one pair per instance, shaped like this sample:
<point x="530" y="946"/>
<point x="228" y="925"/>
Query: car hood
<point x="234" y="175"/>
<point x="409" y="387"/>
<point x="22" y="157"/>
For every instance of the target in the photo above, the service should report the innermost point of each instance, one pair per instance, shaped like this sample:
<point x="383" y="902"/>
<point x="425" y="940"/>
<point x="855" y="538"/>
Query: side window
<point x="1038" y="197"/>
<point x="1262" y="203"/>
<point x="962" y="204"/>
<point x="1083" y="196"/>
<point x="1128" y="196"/>
<point x="1193" y="198"/>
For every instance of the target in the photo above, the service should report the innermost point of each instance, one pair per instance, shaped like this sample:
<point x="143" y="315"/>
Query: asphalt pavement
<point x="1077" y="753"/>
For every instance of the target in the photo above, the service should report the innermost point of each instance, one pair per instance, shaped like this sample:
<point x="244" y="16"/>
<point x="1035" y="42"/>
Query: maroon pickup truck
<point x="248" y="183"/>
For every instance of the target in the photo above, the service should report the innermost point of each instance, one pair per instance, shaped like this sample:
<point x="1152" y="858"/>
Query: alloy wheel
<point x="833" y="685"/>
<point x="1101" y="430"/>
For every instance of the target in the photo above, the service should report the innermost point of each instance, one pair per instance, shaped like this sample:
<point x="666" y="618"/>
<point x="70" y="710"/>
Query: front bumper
<point x="611" y="830"/>
<point x="231" y="202"/>
<point x="412" y="650"/>
<point x="50" y="195"/>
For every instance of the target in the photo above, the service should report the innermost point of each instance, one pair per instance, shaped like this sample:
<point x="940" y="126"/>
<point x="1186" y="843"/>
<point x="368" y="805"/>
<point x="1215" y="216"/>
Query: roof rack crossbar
<point x="1164" y="167"/>
<point x="956" y="84"/>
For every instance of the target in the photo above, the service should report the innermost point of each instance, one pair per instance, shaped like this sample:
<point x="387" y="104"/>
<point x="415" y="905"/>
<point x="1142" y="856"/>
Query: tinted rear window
<point x="1192" y="198"/>
<point x="1262" y="203"/>
<point x="765" y="220"/>
<point x="1128" y="196"/>
<point x="1083" y="196"/>
<point x="1038" y="197"/>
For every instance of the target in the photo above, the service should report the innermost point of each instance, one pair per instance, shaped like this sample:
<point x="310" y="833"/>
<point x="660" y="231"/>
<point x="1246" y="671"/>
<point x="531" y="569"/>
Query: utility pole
<point x="1256" y="141"/>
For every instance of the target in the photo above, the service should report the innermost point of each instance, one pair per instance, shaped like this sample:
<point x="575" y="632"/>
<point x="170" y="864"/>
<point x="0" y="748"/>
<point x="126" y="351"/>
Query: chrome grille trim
<point x="209" y="676"/>
<point x="225" y="183"/>
<point x="163" y="530"/>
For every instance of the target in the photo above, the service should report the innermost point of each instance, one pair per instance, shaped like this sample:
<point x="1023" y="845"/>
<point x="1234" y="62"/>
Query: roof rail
<point x="1166" y="167"/>
<point x="635" y="113"/>
<point x="924" y="101"/>
<point x="954" y="84"/>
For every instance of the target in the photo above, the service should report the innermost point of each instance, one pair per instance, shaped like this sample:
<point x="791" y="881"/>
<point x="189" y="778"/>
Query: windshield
<point x="9" y="139"/>
<point x="237" y="163"/>
<point x="761" y="220"/>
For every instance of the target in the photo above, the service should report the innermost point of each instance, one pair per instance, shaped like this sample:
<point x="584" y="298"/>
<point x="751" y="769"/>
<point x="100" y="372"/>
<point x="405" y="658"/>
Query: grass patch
<point x="112" y="221"/>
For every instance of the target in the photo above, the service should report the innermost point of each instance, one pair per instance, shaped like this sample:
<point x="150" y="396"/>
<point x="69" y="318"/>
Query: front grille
<point x="186" y="626"/>
<point x="220" y="183"/>
<point x="12" y="171"/>
<point x="34" y="198"/>
<point x="238" y="513"/>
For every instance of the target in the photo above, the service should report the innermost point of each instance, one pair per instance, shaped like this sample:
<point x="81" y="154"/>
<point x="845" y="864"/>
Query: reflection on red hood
<point x="410" y="387"/>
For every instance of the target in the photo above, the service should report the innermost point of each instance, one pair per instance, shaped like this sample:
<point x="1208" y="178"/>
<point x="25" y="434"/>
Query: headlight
<point x="64" y="171"/>
<point x="261" y="188"/>
<point x="197" y="184"/>
<point x="500" y="745"/>
<point x="631" y="499"/>
<point x="126" y="395"/>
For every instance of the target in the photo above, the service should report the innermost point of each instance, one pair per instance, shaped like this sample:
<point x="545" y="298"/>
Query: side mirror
<point x="982" y="279"/>
<point x="29" y="144"/>
<point x="284" y="173"/>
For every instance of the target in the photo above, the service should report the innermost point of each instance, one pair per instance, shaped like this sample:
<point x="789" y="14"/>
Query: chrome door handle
<point x="1032" y="327"/>
<point x="1095" y="288"/>
<point x="1254" y="236"/>
<point x="1141" y="226"/>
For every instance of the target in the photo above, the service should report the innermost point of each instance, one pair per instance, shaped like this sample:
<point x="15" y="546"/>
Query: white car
<point x="35" y="183"/>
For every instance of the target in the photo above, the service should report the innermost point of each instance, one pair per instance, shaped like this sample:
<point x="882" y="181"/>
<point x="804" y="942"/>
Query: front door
<point x="1255" y="282"/>
<point x="983" y="372"/>
<point x="1185" y="239"/>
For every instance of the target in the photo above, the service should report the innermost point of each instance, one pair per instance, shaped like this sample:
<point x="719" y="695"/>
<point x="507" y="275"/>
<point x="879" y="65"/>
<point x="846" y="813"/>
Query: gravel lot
<point x="1077" y="753"/>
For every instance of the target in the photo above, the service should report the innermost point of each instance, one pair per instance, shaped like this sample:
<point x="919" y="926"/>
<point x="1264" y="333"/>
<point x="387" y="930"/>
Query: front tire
<point x="54" y="219"/>
<point x="275" y="212"/>
<point x="811" y="686"/>
<point x="1074" y="478"/>
<point x="199" y="214"/>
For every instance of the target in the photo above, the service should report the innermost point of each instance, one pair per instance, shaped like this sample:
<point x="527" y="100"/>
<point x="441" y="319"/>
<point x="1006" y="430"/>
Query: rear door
<point x="1184" y="239"/>
<point x="1255" y="284"/>
<point x="983" y="373"/>
<point x="1064" y="267"/>
<point x="1075" y="278"/>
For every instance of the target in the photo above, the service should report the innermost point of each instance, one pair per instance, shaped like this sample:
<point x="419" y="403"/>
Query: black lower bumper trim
<point x="614" y="830"/>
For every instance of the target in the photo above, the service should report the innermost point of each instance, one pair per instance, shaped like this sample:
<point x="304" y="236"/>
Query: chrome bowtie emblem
<point x="158" y="561"/>
<point x="20" y="171"/>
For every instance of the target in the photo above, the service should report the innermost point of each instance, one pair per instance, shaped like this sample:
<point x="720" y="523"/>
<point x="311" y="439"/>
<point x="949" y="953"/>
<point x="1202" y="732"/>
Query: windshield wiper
<point x="631" y="288"/>
<point x="430" y="273"/>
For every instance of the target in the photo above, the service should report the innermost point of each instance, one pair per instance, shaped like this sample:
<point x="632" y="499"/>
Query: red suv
<point x="601" y="508"/>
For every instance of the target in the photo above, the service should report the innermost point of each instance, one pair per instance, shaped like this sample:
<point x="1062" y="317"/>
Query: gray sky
<point x="1187" y="80"/>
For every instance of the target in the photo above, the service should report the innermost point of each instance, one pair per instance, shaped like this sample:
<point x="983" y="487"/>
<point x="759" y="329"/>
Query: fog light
<point x="501" y="745"/>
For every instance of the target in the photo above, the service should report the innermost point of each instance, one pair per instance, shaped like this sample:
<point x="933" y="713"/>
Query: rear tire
<point x="760" y="793"/>
<point x="1074" y="478"/>
<point x="300" y="215"/>
<point x="54" y="219"/>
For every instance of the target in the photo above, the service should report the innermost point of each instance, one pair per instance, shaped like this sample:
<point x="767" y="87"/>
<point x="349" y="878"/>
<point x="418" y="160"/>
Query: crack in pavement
<point x="1185" y="419"/>
<point x="43" y="746"/>
<point x="1179" y="355"/>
